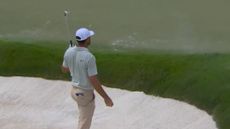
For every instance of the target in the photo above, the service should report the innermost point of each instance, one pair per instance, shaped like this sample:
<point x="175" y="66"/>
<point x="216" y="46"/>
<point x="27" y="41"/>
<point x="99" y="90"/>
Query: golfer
<point x="82" y="66"/>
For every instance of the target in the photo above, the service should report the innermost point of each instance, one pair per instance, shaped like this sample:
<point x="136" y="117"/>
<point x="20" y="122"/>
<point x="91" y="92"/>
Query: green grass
<point x="194" y="25"/>
<point x="30" y="60"/>
<point x="200" y="79"/>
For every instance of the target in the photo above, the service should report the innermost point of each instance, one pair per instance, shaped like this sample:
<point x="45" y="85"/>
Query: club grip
<point x="71" y="43"/>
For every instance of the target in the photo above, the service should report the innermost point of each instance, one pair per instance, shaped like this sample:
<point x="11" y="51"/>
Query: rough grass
<point x="199" y="79"/>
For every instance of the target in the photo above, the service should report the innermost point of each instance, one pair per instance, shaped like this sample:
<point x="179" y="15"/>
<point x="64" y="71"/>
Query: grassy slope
<point x="200" y="79"/>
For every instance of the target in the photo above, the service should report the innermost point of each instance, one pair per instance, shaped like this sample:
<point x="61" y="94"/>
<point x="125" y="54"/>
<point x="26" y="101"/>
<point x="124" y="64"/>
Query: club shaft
<point x="68" y="30"/>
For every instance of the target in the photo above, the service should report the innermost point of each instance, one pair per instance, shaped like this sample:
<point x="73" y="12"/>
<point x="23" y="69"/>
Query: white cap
<point x="83" y="34"/>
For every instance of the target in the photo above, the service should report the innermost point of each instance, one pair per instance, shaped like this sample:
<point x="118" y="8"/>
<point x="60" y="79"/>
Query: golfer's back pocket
<point x="83" y="98"/>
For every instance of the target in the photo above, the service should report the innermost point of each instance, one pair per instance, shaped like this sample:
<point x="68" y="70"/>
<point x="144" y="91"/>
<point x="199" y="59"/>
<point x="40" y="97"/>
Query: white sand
<point x="35" y="103"/>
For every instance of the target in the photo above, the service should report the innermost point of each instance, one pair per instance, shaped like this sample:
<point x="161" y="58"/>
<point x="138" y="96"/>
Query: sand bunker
<point x="35" y="103"/>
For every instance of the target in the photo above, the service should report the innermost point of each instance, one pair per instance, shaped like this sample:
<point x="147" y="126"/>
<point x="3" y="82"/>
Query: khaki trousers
<point x="86" y="105"/>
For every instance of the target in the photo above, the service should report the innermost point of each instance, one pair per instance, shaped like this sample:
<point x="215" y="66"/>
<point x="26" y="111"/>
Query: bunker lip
<point x="37" y="103"/>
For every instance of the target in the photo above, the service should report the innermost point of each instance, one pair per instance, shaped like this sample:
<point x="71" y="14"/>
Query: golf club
<point x="66" y="13"/>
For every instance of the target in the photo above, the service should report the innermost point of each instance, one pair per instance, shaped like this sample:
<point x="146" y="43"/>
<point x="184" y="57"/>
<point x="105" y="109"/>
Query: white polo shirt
<point x="82" y="65"/>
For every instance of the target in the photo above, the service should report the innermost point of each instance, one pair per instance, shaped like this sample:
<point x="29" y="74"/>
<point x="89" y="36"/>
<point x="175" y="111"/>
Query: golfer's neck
<point x="86" y="46"/>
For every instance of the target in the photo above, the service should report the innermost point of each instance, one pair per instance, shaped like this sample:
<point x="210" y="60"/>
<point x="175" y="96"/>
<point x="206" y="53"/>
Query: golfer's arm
<point x="97" y="86"/>
<point x="64" y="69"/>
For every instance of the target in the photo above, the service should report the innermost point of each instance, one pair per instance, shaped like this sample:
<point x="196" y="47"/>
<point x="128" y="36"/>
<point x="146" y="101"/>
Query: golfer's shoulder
<point x="89" y="55"/>
<point x="70" y="50"/>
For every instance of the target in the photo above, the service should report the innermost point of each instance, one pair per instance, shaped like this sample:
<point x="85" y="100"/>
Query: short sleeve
<point x="92" y="67"/>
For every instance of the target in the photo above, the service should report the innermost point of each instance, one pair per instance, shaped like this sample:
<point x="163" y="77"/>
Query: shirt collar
<point x="82" y="49"/>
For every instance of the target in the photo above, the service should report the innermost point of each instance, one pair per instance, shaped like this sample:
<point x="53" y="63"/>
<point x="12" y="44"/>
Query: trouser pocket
<point x="82" y="97"/>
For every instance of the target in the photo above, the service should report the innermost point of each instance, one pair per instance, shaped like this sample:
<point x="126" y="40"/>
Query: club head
<point x="66" y="13"/>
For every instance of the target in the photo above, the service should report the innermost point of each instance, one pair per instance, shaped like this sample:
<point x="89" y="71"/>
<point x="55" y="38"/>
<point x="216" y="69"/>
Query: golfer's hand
<point x="108" y="102"/>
